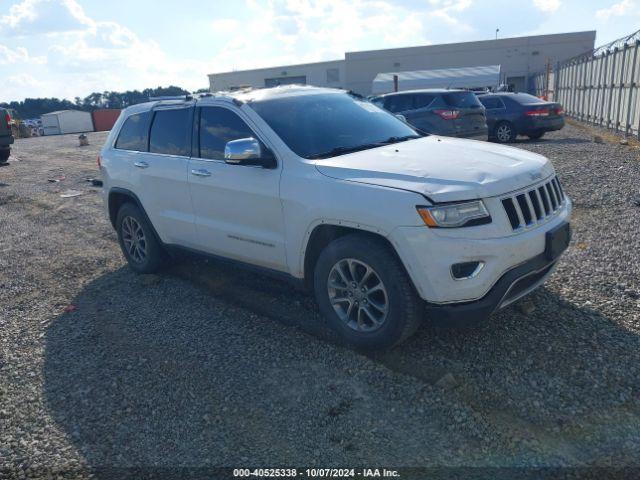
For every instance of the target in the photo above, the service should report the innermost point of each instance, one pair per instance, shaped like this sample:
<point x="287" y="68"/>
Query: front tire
<point x="137" y="240"/>
<point x="365" y="293"/>
<point x="505" y="132"/>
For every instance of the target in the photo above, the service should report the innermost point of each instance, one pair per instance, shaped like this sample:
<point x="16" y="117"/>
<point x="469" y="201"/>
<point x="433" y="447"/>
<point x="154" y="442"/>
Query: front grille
<point x="534" y="205"/>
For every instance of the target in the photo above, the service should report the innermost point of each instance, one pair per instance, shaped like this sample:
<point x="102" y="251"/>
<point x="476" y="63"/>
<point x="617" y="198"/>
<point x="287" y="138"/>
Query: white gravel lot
<point x="208" y="365"/>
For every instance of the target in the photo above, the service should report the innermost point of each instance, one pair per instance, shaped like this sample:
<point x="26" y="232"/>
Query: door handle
<point x="141" y="164"/>
<point x="201" y="172"/>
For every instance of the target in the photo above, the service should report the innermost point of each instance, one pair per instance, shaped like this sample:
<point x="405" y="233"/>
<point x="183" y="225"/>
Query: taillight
<point x="559" y="111"/>
<point x="447" y="114"/>
<point x="543" y="112"/>
<point x="7" y="119"/>
<point x="99" y="161"/>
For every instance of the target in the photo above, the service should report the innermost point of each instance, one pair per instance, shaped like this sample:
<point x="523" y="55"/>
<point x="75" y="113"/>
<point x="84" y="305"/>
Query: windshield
<point x="323" y="125"/>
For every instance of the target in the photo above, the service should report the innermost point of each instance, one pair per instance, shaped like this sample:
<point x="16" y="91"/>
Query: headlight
<point x="455" y="214"/>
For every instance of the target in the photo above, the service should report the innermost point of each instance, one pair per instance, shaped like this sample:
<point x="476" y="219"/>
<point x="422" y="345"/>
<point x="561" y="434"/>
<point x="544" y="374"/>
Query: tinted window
<point x="314" y="124"/>
<point x="170" y="132"/>
<point x="525" y="98"/>
<point x="491" y="102"/>
<point x="398" y="103"/>
<point x="134" y="133"/>
<point x="461" y="100"/>
<point x="217" y="127"/>
<point x="422" y="100"/>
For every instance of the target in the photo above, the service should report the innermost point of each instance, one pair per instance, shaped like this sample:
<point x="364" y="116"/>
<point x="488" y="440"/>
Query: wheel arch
<point x="118" y="197"/>
<point x="323" y="233"/>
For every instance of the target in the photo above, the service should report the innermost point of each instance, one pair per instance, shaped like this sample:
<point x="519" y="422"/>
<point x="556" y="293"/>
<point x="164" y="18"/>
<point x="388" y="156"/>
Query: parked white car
<point x="384" y="225"/>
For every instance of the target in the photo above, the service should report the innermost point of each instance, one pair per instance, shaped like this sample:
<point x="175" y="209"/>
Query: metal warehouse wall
<point x="600" y="87"/>
<point x="103" y="120"/>
<point x="518" y="57"/>
<point x="315" y="73"/>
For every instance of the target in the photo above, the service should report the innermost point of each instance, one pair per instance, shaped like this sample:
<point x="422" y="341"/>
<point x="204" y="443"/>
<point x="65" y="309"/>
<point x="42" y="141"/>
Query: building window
<point x="333" y="75"/>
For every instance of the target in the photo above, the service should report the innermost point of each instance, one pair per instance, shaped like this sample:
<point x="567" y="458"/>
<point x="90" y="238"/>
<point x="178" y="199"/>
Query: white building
<point x="66" y="121"/>
<point x="519" y="58"/>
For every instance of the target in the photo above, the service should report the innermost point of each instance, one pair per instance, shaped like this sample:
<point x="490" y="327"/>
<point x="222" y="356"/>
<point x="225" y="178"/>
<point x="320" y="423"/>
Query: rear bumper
<point x="541" y="125"/>
<point x="513" y="285"/>
<point x="6" y="141"/>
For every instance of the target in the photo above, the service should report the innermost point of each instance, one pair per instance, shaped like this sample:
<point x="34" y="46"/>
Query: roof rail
<point x="171" y="97"/>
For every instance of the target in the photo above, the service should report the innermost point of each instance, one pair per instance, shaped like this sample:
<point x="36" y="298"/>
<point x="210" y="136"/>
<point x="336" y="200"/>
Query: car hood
<point x="442" y="168"/>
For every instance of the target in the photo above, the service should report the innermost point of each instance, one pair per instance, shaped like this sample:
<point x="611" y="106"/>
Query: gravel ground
<point x="207" y="365"/>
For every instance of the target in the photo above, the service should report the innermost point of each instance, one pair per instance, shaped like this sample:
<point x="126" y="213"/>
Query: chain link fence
<point x="598" y="87"/>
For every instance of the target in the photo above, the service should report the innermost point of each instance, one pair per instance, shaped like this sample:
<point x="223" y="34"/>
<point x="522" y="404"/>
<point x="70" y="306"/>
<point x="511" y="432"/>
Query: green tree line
<point x="34" y="107"/>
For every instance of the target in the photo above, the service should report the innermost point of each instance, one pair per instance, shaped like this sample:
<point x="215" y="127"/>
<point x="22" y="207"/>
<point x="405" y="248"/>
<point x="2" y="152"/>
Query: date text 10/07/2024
<point x="316" y="473"/>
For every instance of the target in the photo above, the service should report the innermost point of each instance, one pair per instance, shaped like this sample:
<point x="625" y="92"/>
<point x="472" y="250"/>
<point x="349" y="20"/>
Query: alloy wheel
<point x="503" y="132"/>
<point x="358" y="295"/>
<point x="134" y="239"/>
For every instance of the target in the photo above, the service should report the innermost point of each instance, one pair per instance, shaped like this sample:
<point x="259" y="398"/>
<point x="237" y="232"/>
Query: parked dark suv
<point x="454" y="113"/>
<point x="513" y="114"/>
<point x="6" y="138"/>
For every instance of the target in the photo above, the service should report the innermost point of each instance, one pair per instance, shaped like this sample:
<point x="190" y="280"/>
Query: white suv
<point x="385" y="225"/>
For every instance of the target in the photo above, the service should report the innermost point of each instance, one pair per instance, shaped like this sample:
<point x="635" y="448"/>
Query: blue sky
<point x="68" y="48"/>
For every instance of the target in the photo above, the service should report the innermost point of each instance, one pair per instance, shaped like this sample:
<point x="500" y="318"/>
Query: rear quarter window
<point x="134" y="134"/>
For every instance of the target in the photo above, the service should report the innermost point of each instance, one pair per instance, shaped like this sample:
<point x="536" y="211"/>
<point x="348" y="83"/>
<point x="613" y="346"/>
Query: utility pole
<point x="497" y="30"/>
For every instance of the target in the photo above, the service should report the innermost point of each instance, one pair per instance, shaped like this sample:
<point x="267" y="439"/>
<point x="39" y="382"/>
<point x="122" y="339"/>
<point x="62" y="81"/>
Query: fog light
<point x="464" y="270"/>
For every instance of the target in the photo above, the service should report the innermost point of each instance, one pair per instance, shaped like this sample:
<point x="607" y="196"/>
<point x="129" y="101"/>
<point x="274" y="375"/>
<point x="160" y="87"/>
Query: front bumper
<point x="515" y="284"/>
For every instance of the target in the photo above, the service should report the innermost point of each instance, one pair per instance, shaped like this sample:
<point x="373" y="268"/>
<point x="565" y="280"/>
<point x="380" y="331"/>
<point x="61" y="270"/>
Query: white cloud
<point x="45" y="16"/>
<point x="616" y="10"/>
<point x="281" y="32"/>
<point x="447" y="11"/>
<point x="10" y="56"/>
<point x="547" y="6"/>
<point x="225" y="25"/>
<point x="22" y="80"/>
<point x="84" y="55"/>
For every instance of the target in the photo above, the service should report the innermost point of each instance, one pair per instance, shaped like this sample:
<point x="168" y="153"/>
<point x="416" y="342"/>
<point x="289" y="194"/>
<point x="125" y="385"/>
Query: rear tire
<point x="390" y="311"/>
<point x="505" y="132"/>
<point x="535" y="135"/>
<point x="138" y="241"/>
<point x="4" y="155"/>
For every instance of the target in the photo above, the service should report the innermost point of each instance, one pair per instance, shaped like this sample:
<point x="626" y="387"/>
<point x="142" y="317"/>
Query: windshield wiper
<point x="400" y="139"/>
<point x="334" y="152"/>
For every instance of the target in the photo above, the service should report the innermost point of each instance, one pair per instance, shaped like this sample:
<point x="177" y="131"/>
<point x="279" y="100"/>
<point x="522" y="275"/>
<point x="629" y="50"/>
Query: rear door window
<point x="491" y="103"/>
<point x="461" y="100"/>
<point x="399" y="103"/>
<point x="134" y="134"/>
<point x="171" y="132"/>
<point x="217" y="127"/>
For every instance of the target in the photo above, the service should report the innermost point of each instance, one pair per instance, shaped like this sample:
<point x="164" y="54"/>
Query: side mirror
<point x="248" y="151"/>
<point x="401" y="118"/>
